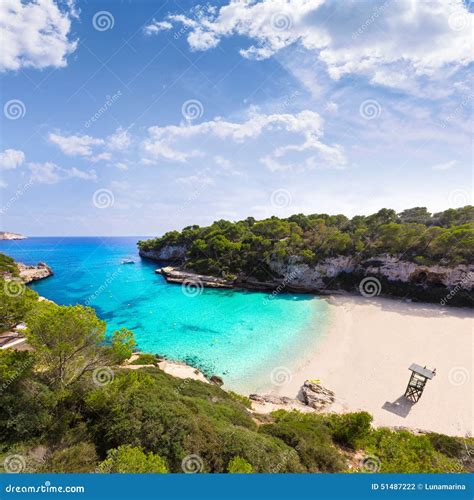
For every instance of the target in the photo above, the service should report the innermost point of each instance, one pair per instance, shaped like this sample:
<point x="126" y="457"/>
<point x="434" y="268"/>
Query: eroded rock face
<point x="317" y="396"/>
<point x="171" y="253"/>
<point x="391" y="268"/>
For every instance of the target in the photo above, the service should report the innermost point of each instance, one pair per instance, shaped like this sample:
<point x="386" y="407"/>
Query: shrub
<point x="350" y="429"/>
<point x="404" y="452"/>
<point x="145" y="359"/>
<point x="447" y="445"/>
<point x="239" y="466"/>
<point x="310" y="437"/>
<point x="78" y="458"/>
<point x="130" y="459"/>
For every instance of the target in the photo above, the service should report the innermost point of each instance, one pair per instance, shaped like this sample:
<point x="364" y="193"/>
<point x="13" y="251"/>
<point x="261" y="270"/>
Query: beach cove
<point x="367" y="349"/>
<point x="263" y="343"/>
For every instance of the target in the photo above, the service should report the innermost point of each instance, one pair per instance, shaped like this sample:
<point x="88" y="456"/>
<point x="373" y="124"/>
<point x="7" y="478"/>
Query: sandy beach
<point x="365" y="355"/>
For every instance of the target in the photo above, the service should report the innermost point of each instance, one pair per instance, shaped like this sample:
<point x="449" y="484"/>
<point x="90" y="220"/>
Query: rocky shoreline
<point x="34" y="273"/>
<point x="176" y="275"/>
<point x="386" y="275"/>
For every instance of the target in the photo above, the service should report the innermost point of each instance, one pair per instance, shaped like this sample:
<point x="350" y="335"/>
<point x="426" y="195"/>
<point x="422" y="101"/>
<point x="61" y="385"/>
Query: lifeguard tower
<point x="416" y="385"/>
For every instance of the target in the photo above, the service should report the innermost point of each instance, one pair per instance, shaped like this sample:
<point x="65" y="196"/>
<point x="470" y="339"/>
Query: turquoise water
<point x="241" y="336"/>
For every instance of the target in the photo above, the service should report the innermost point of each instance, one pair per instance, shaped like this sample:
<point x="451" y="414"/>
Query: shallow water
<point x="241" y="336"/>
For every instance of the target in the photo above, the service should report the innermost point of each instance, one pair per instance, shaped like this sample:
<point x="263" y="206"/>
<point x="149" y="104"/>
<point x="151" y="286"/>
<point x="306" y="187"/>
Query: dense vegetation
<point x="245" y="247"/>
<point x="69" y="405"/>
<point x="7" y="266"/>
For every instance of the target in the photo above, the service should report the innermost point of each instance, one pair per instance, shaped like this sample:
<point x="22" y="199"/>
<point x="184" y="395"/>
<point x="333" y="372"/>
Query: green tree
<point x="16" y="301"/>
<point x="69" y="342"/>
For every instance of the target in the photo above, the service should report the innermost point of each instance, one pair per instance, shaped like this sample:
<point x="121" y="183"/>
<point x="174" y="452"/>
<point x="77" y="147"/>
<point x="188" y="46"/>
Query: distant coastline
<point x="5" y="235"/>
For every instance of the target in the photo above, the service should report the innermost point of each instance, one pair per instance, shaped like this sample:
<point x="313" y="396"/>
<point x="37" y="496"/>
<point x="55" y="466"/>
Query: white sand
<point x="365" y="355"/>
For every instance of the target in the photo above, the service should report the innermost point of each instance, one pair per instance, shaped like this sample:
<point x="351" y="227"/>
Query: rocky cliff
<point x="386" y="275"/>
<point x="169" y="253"/>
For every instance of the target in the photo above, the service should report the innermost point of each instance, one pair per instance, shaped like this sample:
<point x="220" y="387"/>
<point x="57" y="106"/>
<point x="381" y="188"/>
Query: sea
<point x="253" y="340"/>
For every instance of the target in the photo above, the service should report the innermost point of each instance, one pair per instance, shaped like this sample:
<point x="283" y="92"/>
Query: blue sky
<point x="133" y="118"/>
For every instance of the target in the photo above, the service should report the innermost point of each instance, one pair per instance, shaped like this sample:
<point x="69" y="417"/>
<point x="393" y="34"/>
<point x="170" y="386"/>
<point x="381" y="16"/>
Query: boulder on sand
<point x="316" y="396"/>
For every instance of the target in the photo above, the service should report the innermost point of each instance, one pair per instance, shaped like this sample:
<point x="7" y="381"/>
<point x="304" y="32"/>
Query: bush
<point x="350" y="429"/>
<point x="404" y="452"/>
<point x="145" y="359"/>
<point x="78" y="458"/>
<point x="239" y="466"/>
<point x="129" y="459"/>
<point x="447" y="445"/>
<point x="310" y="437"/>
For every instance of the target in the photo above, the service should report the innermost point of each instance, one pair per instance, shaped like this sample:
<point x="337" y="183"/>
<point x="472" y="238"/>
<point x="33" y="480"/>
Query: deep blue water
<point x="241" y="336"/>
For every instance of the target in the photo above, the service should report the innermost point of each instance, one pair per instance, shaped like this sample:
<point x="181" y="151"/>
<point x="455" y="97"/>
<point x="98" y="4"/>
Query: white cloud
<point x="156" y="26"/>
<point x="445" y="166"/>
<point x="35" y="34"/>
<point x="72" y="145"/>
<point x="163" y="142"/>
<point x="391" y="44"/>
<point x="11" y="158"/>
<point x="3" y="184"/>
<point x="120" y="140"/>
<point x="50" y="173"/>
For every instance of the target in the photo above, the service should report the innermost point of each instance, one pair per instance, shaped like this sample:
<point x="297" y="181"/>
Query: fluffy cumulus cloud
<point x="75" y="145"/>
<point x="50" y="173"/>
<point x="391" y="43"/>
<point x="92" y="148"/>
<point x="302" y="133"/>
<point x="35" y="34"/>
<point x="11" y="158"/>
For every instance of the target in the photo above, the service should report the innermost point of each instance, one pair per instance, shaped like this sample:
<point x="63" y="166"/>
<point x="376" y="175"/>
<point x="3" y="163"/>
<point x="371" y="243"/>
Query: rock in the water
<point x="215" y="379"/>
<point x="316" y="396"/>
